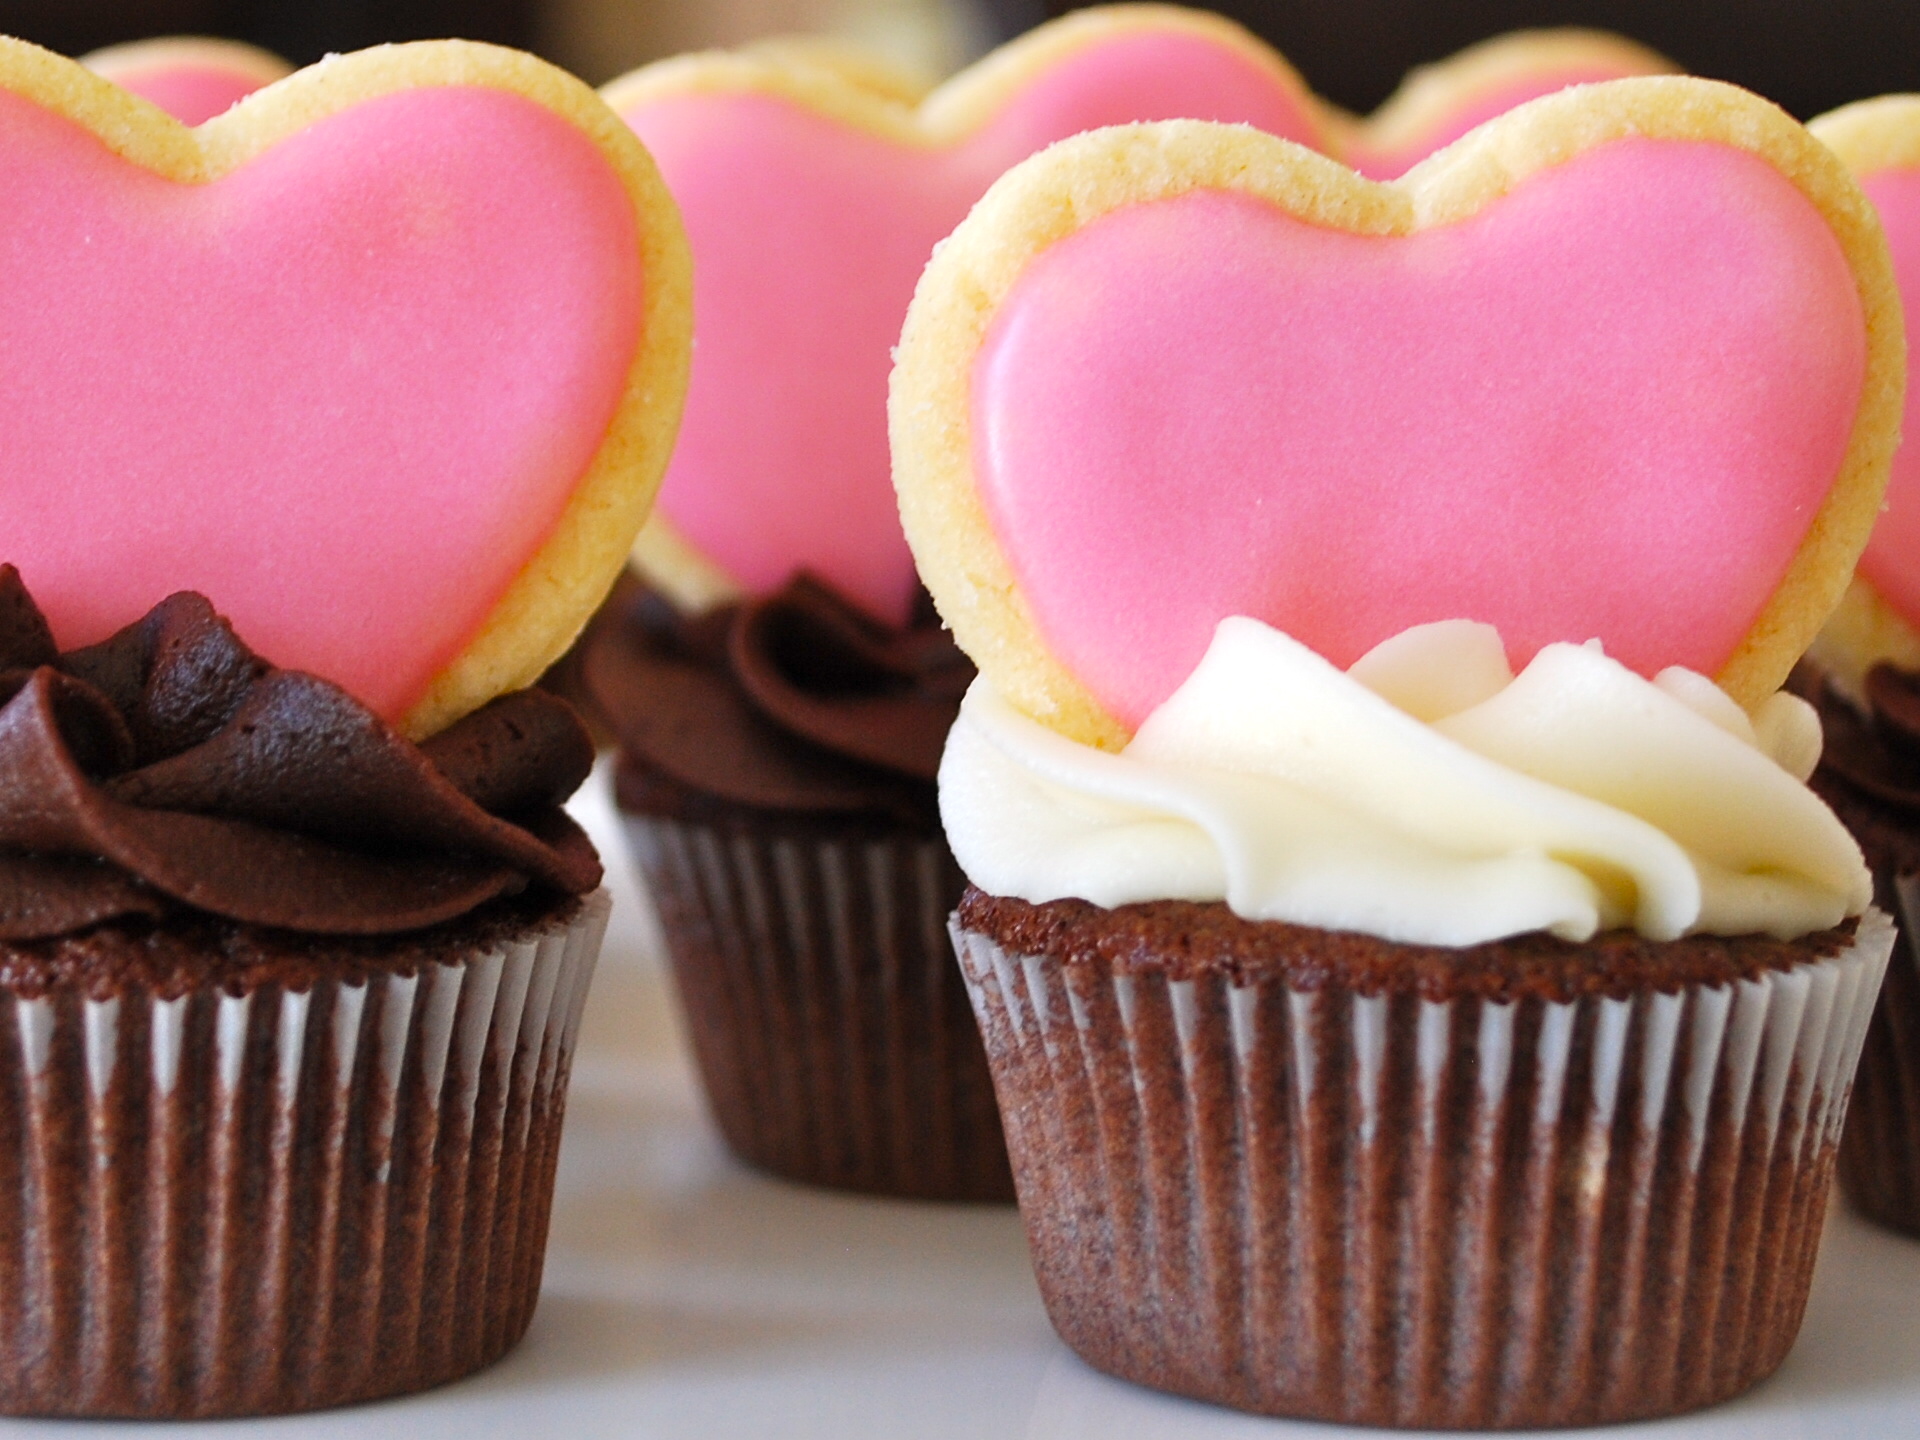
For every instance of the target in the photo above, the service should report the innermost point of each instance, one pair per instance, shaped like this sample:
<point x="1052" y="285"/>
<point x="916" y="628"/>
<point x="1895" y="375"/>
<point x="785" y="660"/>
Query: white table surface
<point x="687" y="1296"/>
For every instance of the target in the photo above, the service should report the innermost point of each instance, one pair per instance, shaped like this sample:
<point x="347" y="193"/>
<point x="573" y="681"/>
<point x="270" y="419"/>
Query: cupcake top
<point x="1219" y="456"/>
<point x="170" y="768"/>
<point x="289" y="375"/>
<point x="796" y="704"/>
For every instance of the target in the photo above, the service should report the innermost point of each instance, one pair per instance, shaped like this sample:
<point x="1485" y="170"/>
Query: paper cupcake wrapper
<point x="281" y="1200"/>
<point x="827" y="1017"/>
<point x="1393" y="1211"/>
<point x="1880" y="1150"/>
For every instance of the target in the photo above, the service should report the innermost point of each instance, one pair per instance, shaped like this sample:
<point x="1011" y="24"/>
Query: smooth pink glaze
<point x="1892" y="562"/>
<point x="1608" y="405"/>
<point x="1390" y="162"/>
<point x="808" y="236"/>
<point x="345" y="391"/>
<point x="191" y="92"/>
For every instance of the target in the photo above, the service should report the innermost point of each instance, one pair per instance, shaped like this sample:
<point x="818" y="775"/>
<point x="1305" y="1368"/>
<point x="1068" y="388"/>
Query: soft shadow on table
<point x="651" y="1205"/>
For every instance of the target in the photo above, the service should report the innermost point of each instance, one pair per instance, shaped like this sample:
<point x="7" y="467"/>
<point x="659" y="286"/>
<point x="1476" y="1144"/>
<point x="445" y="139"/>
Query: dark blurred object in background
<point x="1808" y="55"/>
<point x="596" y="39"/>
<point x="301" y="30"/>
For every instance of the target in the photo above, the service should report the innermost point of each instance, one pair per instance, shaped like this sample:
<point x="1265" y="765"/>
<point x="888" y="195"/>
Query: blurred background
<point x="1809" y="55"/>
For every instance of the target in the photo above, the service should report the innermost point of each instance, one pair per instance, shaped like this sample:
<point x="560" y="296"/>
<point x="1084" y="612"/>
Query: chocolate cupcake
<point x="1864" y="674"/>
<point x="1420" y="985"/>
<point x="289" y="1004"/>
<point x="1392" y="1172"/>
<point x="1870" y="775"/>
<point x="776" y="774"/>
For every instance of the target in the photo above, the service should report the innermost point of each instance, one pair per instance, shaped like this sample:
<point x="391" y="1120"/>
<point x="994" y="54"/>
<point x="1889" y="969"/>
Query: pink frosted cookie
<point x="190" y="77"/>
<point x="774" y="152"/>
<point x="865" y="69"/>
<point x="1625" y="363"/>
<point x="1880" y="618"/>
<point x="811" y="203"/>
<point x="386" y="362"/>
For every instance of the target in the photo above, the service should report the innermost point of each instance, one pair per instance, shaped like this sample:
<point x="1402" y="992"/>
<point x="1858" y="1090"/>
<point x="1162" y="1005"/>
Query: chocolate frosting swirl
<point x="795" y="702"/>
<point x="169" y="766"/>
<point x="1877" y="752"/>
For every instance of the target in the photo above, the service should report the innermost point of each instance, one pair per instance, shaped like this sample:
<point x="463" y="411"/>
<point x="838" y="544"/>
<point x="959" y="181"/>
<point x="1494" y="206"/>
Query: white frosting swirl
<point x="1425" y="796"/>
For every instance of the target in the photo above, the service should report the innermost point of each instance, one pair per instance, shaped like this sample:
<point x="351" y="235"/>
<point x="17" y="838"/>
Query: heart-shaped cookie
<point x="812" y="201"/>
<point x="1880" y="142"/>
<point x="190" y="77"/>
<point x="1625" y="363"/>
<point x="386" y="361"/>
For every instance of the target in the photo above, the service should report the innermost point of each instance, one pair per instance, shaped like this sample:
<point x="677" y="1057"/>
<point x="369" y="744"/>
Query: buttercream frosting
<point x="170" y="770"/>
<point x="1426" y="795"/>
<point x="796" y="703"/>
<point x="1873" y="743"/>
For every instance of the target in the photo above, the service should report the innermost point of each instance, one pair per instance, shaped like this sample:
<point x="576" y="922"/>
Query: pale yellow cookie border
<point x="966" y="102"/>
<point x="1431" y="94"/>
<point x="1868" y="135"/>
<point x="954" y="109"/>
<point x="115" y="62"/>
<point x="857" y="65"/>
<point x="1056" y="192"/>
<point x="542" y="610"/>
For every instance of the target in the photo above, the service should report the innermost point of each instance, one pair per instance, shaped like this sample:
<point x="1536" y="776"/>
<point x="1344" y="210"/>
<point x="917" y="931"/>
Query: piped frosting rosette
<point x="1425" y="796"/>
<point x="1375" y="997"/>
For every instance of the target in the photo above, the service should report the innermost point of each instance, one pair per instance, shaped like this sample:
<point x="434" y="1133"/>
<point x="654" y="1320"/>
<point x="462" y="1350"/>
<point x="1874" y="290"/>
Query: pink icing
<point x="191" y="92"/>
<point x="808" y="236"/>
<point x="346" y="391"/>
<point x="1475" y="109"/>
<point x="1892" y="561"/>
<point x="1577" y="414"/>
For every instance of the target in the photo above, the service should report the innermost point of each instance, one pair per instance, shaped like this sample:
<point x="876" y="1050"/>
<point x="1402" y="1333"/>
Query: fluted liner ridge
<point x="1388" y="1210"/>
<point x="281" y="1200"/>
<point x="829" y="1022"/>
<point x="1880" y="1149"/>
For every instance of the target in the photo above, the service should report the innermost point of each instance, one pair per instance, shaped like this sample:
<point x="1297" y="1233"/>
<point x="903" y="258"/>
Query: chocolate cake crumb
<point x="184" y="951"/>
<point x="1183" y="940"/>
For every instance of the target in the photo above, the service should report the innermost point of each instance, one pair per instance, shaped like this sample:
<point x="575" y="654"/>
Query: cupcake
<point x="309" y="474"/>
<point x="1383" y="1036"/>
<point x="780" y="692"/>
<point x="1863" y="673"/>
<point x="777" y="759"/>
<point x="826" y="1023"/>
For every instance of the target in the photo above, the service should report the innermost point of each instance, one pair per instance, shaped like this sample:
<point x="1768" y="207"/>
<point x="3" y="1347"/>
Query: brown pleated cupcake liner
<point x="281" y="1200"/>
<point x="1880" y="1148"/>
<point x="1384" y="1210"/>
<point x="829" y="1023"/>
